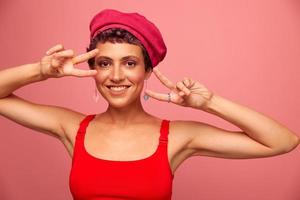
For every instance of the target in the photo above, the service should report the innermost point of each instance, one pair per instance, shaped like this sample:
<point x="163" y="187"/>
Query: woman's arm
<point x="261" y="135"/>
<point x="43" y="118"/>
<point x="13" y="78"/>
<point x="257" y="126"/>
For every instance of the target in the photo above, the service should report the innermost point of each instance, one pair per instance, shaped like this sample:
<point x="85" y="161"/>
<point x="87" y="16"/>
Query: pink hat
<point x="138" y="25"/>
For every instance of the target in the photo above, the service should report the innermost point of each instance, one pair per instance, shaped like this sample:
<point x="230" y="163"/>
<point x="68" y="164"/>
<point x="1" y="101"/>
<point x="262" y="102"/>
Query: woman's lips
<point x="117" y="90"/>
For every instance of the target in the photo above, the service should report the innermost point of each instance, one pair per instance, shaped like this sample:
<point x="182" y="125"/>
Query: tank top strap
<point x="164" y="131"/>
<point x="84" y="123"/>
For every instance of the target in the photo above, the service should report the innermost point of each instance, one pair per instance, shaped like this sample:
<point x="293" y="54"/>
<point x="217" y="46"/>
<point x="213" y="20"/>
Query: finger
<point x="158" y="96"/>
<point x="54" y="49"/>
<point x="186" y="82"/>
<point x="193" y="82"/>
<point x="83" y="73"/>
<point x="163" y="79"/>
<point x="182" y="87"/>
<point x="86" y="56"/>
<point x="64" y="54"/>
<point x="181" y="93"/>
<point x="60" y="57"/>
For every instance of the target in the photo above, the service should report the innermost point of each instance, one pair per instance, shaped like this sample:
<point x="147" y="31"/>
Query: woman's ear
<point x="148" y="74"/>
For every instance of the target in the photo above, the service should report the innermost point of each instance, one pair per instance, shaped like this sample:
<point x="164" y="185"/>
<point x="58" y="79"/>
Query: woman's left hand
<point x="187" y="92"/>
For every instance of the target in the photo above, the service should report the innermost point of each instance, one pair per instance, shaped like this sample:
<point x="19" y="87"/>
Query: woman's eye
<point x="103" y="64"/>
<point x="106" y="64"/>
<point x="131" y="63"/>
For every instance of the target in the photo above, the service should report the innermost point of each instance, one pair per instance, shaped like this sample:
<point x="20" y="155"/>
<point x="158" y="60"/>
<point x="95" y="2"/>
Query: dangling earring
<point x="96" y="95"/>
<point x="146" y="97"/>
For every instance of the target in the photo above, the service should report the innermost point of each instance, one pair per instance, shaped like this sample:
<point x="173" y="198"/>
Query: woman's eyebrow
<point x="124" y="58"/>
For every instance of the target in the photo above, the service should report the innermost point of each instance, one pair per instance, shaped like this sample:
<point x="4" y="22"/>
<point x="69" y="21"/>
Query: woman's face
<point x="120" y="65"/>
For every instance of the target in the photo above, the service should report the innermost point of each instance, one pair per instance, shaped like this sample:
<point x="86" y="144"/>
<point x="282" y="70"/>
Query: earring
<point x="96" y="95"/>
<point x="146" y="97"/>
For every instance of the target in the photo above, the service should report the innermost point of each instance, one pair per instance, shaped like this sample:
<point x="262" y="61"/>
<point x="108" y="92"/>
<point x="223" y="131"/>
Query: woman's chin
<point x="123" y="102"/>
<point x="118" y="104"/>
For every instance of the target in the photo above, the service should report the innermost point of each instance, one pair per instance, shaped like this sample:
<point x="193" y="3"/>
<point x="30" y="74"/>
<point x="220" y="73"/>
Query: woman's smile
<point x="118" y="90"/>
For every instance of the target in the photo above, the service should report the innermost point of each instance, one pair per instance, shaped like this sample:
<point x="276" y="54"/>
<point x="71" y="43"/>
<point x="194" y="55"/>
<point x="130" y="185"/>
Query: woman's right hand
<point x="59" y="62"/>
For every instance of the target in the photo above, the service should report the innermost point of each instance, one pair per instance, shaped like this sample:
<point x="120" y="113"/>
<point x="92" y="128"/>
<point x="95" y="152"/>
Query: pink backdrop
<point x="246" y="51"/>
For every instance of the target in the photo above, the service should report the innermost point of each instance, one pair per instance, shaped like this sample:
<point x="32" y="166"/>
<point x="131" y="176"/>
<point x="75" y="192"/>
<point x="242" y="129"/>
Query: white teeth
<point x="118" y="88"/>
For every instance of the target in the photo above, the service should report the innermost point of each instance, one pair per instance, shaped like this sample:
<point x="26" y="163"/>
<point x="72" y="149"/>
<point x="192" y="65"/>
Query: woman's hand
<point x="187" y="92"/>
<point x="59" y="62"/>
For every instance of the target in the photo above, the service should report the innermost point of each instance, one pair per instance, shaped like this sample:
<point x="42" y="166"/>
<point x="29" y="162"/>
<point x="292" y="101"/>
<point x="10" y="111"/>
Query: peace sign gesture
<point x="59" y="62"/>
<point x="187" y="92"/>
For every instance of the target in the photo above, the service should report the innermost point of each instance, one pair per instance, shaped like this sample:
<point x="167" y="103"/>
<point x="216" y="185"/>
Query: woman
<point x="125" y="152"/>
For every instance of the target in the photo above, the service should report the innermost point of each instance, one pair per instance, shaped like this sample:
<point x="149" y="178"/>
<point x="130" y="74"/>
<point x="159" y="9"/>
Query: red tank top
<point x="93" y="178"/>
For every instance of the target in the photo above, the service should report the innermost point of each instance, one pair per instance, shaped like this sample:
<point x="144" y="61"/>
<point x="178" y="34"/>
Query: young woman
<point x="125" y="152"/>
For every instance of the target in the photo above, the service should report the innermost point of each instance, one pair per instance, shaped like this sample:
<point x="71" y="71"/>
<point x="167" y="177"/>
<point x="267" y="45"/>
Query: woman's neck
<point x="133" y="113"/>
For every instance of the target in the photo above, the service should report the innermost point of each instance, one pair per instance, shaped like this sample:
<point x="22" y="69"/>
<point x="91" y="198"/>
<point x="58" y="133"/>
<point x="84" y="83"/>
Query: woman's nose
<point x="116" y="73"/>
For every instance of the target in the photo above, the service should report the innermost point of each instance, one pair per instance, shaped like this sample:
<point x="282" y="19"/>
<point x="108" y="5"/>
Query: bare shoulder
<point x="70" y="124"/>
<point x="184" y="132"/>
<point x="47" y="119"/>
<point x="186" y="129"/>
<point x="180" y="135"/>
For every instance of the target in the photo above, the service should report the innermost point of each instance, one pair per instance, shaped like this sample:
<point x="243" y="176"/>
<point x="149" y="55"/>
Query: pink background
<point x="246" y="51"/>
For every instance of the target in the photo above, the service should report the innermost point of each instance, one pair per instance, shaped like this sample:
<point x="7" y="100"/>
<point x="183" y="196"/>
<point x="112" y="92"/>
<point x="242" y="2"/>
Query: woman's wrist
<point x="39" y="76"/>
<point x="211" y="105"/>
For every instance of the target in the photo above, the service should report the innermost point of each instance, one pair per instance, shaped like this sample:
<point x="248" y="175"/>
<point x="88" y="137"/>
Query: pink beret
<point x="136" y="24"/>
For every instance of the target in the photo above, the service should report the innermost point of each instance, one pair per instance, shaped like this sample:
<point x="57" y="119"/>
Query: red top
<point x="93" y="178"/>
